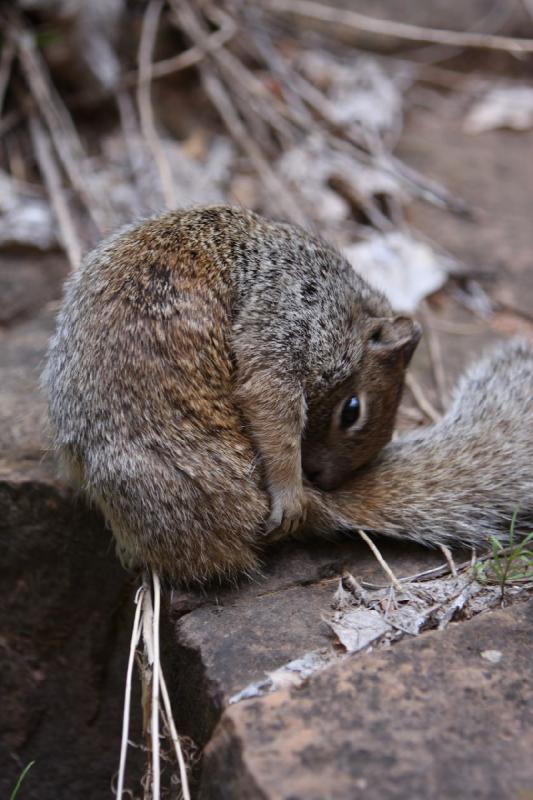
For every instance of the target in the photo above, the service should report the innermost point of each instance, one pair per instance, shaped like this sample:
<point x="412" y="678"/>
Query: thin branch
<point x="435" y="354"/>
<point x="455" y="328"/>
<point x="421" y="399"/>
<point x="528" y="8"/>
<point x="6" y="62"/>
<point x="175" y="739"/>
<point x="61" y="128"/>
<point x="52" y="179"/>
<point x="146" y="113"/>
<point x="10" y="121"/>
<point x="253" y="90"/>
<point x="381" y="561"/>
<point x="132" y="138"/>
<point x="455" y="605"/>
<point x="223" y="102"/>
<point x="400" y="30"/>
<point x="146" y="674"/>
<point x="189" y="58"/>
<point x="135" y="634"/>
<point x="224" y="105"/>
<point x="253" y="94"/>
<point x="447" y="553"/>
<point x="426" y="188"/>
<point x="436" y="572"/>
<point x="350" y="582"/>
<point x="156" y="766"/>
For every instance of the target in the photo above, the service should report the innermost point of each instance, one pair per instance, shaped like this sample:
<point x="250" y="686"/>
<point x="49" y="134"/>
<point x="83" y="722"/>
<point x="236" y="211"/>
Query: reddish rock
<point x="230" y="637"/>
<point x="66" y="605"/>
<point x="431" y="718"/>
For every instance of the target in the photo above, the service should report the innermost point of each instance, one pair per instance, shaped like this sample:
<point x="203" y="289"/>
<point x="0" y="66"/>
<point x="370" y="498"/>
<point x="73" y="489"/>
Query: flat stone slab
<point x="22" y="404"/>
<point x="446" y="715"/>
<point x="66" y="604"/>
<point x="229" y="639"/>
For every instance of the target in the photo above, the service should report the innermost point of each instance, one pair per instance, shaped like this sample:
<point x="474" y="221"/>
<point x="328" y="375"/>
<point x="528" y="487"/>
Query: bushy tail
<point x="456" y="482"/>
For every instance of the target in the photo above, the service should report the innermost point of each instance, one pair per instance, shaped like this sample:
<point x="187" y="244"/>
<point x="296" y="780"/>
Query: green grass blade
<point x="512" y="528"/>
<point x="22" y="775"/>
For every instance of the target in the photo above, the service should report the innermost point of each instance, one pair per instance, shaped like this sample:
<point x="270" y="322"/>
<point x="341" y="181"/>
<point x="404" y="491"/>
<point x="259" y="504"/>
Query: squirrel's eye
<point x="350" y="412"/>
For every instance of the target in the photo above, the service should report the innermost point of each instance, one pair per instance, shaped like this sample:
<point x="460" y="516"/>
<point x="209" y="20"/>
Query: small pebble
<point x="494" y="656"/>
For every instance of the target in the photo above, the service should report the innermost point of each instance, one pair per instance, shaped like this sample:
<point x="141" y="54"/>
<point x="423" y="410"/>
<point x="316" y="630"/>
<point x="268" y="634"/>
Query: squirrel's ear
<point x="395" y="337"/>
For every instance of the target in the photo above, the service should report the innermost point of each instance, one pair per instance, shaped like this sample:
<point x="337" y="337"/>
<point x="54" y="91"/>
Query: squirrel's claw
<point x="287" y="513"/>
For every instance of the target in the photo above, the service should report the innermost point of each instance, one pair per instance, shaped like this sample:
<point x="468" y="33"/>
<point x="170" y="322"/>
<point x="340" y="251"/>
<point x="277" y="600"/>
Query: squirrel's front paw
<point x="287" y="512"/>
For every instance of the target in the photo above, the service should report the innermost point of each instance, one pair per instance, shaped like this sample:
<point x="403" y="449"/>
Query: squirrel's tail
<point x="456" y="482"/>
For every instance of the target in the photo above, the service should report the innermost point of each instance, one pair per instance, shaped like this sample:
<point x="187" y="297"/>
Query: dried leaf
<point x="198" y="181"/>
<point x="404" y="269"/>
<point x="358" y="92"/>
<point x="502" y="107"/>
<point x="289" y="675"/>
<point x="358" y="627"/>
<point x="25" y="219"/>
<point x="330" y="183"/>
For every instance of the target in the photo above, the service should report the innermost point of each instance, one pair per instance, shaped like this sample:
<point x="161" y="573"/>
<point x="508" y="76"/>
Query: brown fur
<point x="192" y="352"/>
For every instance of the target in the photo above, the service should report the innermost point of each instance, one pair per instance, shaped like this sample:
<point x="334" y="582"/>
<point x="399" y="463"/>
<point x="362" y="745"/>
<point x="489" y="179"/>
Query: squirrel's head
<point x="355" y="419"/>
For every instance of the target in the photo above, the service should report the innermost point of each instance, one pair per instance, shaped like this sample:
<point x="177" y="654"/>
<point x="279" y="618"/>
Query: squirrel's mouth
<point x="323" y="479"/>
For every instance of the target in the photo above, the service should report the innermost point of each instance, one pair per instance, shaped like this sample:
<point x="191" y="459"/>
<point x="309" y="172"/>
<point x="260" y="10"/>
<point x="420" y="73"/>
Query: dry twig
<point x="156" y="765"/>
<point x="171" y="725"/>
<point x="421" y="399"/>
<point x="225" y="106"/>
<point x="135" y="635"/>
<point x="435" y="354"/>
<point x="147" y="615"/>
<point x="350" y="582"/>
<point x="311" y="9"/>
<point x="61" y="128"/>
<point x="132" y="138"/>
<point x="52" y="179"/>
<point x="146" y="48"/>
<point x="6" y="62"/>
<point x="381" y="561"/>
<point x="189" y="58"/>
<point x="447" y="553"/>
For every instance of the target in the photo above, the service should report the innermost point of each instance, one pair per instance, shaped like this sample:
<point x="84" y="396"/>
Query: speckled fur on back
<point x="185" y="338"/>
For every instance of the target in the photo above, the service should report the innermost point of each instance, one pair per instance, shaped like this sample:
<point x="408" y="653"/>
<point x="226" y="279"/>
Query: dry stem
<point x="146" y="48"/>
<point x="135" y="634"/>
<point x="132" y="138"/>
<point x="399" y="30"/>
<point x="6" y="62"/>
<point x="61" y="128"/>
<point x="447" y="553"/>
<point x="421" y="399"/>
<point x="147" y="617"/>
<point x="52" y="179"/>
<point x="156" y="764"/>
<point x="221" y="99"/>
<point x="381" y="561"/>
<point x="435" y="354"/>
<point x="175" y="739"/>
<point x="189" y="58"/>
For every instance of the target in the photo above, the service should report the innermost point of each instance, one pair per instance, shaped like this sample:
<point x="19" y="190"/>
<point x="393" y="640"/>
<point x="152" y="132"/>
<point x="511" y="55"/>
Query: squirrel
<point x="188" y="349"/>
<point x="458" y="481"/>
<point x="203" y="361"/>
